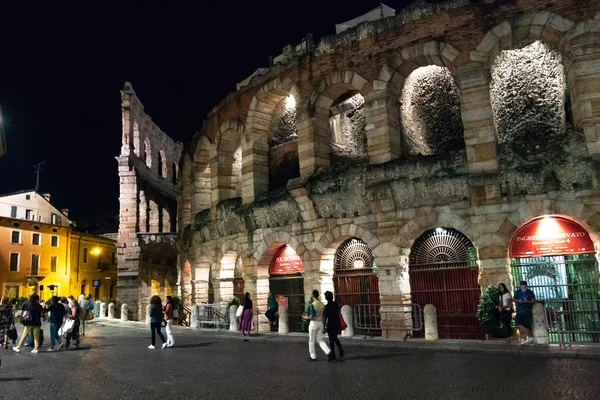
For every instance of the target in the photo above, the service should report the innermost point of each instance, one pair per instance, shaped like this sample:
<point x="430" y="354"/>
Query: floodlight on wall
<point x="290" y="102"/>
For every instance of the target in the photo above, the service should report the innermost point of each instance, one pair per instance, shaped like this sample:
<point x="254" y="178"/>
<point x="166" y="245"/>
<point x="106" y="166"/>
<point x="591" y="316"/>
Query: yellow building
<point x="51" y="260"/>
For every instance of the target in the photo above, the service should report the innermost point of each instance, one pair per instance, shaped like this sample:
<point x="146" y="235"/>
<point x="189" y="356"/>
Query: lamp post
<point x="97" y="251"/>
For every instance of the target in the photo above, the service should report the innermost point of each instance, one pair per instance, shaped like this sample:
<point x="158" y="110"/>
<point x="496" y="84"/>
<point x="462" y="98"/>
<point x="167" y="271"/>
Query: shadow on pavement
<point x="191" y="345"/>
<point x="14" y="379"/>
<point x="377" y="356"/>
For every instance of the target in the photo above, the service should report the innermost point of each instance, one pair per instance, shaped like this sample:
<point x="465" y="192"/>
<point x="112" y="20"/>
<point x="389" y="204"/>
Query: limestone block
<point x="430" y="322"/>
<point x="233" y="323"/>
<point x="283" y="321"/>
<point x="346" y="312"/>
<point x="111" y="311"/>
<point x="102" y="310"/>
<point x="194" y="322"/>
<point x="539" y="327"/>
<point x="124" y="312"/>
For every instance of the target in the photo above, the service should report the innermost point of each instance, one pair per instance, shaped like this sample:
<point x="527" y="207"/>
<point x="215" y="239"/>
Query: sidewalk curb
<point x="592" y="353"/>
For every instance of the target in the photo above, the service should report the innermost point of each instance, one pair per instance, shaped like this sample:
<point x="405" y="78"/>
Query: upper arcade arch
<point x="201" y="195"/>
<point x="227" y="174"/>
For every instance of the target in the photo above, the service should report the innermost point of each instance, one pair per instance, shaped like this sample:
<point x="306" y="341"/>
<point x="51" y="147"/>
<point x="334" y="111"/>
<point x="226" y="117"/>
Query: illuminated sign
<point x="285" y="262"/>
<point x="550" y="236"/>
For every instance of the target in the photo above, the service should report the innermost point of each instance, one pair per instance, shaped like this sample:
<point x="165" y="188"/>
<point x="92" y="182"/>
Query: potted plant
<point x="487" y="313"/>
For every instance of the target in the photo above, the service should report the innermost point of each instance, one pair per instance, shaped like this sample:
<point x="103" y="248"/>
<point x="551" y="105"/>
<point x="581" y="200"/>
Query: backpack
<point x="90" y="306"/>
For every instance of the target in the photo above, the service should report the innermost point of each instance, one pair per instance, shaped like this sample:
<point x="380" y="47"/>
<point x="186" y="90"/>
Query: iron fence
<point x="211" y="316"/>
<point x="573" y="321"/>
<point x="388" y="319"/>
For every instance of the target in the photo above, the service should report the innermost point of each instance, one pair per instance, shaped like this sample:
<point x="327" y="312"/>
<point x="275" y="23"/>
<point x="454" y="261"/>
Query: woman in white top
<point x="505" y="311"/>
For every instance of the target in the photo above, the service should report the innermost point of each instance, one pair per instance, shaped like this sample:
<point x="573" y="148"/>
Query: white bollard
<point x="111" y="311"/>
<point x="194" y="319"/>
<point x="148" y="314"/>
<point x="347" y="315"/>
<point x="233" y="323"/>
<point x="284" y="327"/>
<point x="539" y="330"/>
<point x="102" y="310"/>
<point x="97" y="308"/>
<point x="124" y="312"/>
<point x="430" y="318"/>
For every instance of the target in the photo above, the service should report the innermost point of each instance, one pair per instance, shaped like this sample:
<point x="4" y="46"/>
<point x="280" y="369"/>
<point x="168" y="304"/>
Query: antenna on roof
<point x="37" y="168"/>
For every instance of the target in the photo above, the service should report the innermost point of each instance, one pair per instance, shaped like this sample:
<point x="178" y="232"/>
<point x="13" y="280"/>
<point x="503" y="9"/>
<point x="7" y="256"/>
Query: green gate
<point x="569" y="287"/>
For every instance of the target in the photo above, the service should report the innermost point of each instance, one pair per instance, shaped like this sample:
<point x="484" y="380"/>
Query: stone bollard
<point x="194" y="323"/>
<point x="430" y="319"/>
<point x="102" y="312"/>
<point x="233" y="324"/>
<point x="148" y="314"/>
<point x="111" y="311"/>
<point x="97" y="308"/>
<point x="347" y="315"/>
<point x="124" y="312"/>
<point x="539" y="329"/>
<point x="284" y="327"/>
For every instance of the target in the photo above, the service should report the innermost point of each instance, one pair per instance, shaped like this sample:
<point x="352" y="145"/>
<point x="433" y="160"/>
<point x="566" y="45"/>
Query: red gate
<point x="443" y="272"/>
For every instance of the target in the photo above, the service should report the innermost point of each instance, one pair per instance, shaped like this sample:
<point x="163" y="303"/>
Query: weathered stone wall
<point x="464" y="179"/>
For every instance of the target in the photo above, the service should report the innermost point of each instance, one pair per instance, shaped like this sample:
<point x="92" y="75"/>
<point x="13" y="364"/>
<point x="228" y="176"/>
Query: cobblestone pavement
<point x="116" y="364"/>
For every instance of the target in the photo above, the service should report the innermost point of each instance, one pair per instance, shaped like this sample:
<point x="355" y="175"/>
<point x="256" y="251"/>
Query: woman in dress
<point x="75" y="315"/>
<point x="246" y="320"/>
<point x="505" y="311"/>
<point x="156" y="318"/>
<point x="6" y="319"/>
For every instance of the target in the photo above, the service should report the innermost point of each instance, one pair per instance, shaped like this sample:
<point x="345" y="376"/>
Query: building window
<point x="29" y="215"/>
<point x="27" y="197"/>
<point x="36" y="239"/>
<point x="54" y="241"/>
<point x="54" y="219"/>
<point x="53" y="263"/>
<point x="16" y="237"/>
<point x="85" y="254"/>
<point x="13" y="212"/>
<point x="14" y="262"/>
<point x="35" y="264"/>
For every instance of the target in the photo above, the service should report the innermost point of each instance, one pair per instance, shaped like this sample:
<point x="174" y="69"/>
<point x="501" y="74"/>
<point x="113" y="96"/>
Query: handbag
<point x="26" y="317"/>
<point x="343" y="324"/>
<point x="12" y="333"/>
<point x="89" y="316"/>
<point x="163" y="323"/>
<point x="239" y="311"/>
<point x="67" y="327"/>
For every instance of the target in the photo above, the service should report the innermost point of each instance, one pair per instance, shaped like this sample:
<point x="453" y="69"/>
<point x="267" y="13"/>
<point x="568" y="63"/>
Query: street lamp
<point x="97" y="251"/>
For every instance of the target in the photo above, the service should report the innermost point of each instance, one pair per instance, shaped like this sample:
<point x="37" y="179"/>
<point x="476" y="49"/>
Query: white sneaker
<point x="170" y="344"/>
<point x="528" y="340"/>
<point x="522" y="341"/>
<point x="151" y="347"/>
<point x="18" y="350"/>
<point x="164" y="345"/>
<point x="34" y="351"/>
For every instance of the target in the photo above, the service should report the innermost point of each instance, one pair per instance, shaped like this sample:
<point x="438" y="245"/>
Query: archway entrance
<point x="211" y="289"/>
<point x="443" y="271"/>
<point x="353" y="279"/>
<point x="238" y="279"/>
<point x="556" y="257"/>
<point x="286" y="280"/>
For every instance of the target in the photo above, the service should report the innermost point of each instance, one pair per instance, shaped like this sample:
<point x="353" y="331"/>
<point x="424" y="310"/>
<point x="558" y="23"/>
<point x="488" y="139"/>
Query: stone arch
<point x="334" y="87"/>
<point x="185" y="184"/>
<point x="271" y="244"/>
<point x="147" y="153"/>
<point x="385" y="137"/>
<point x="162" y="164"/>
<point x="228" y="254"/>
<point x="136" y="139"/>
<point x="202" y="190"/>
<point x="255" y="145"/>
<point x="227" y="174"/>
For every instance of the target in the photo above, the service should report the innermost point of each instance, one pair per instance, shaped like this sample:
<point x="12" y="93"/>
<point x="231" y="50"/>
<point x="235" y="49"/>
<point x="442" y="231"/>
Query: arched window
<point x="283" y="144"/>
<point x="147" y="153"/>
<point x="347" y="122"/>
<point x="430" y="110"/>
<point x="162" y="164"/>
<point x="175" y="173"/>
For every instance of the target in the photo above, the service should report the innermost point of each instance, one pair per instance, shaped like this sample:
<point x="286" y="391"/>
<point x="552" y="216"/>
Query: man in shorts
<point x="524" y="298"/>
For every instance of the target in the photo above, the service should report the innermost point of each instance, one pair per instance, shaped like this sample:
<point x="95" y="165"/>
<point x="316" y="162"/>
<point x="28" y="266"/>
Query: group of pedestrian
<point x="324" y="319"/>
<point x="524" y="298"/>
<point x="161" y="317"/>
<point x="33" y="311"/>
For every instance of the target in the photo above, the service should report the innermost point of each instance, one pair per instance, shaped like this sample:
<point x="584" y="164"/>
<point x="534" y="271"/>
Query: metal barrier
<point x="573" y="321"/>
<point x="388" y="318"/>
<point x="209" y="316"/>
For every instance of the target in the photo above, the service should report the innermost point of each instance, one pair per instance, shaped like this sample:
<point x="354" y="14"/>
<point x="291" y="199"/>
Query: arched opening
<point x="147" y="153"/>
<point x="430" y="110"/>
<point x="283" y="144"/>
<point x="201" y="194"/>
<point x="286" y="280"/>
<point x="136" y="139"/>
<point x="347" y="123"/>
<point x="155" y="288"/>
<point x="175" y="173"/>
<point x="556" y="257"/>
<point x="187" y="292"/>
<point x="162" y="164"/>
<point x="443" y="271"/>
<point x="229" y="181"/>
<point x="527" y="92"/>
<point x="238" y="279"/>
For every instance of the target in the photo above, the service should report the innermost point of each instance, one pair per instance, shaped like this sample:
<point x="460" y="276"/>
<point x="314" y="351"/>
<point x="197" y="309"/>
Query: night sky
<point x="62" y="64"/>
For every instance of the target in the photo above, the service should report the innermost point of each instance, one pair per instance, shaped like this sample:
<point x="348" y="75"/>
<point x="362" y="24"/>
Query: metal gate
<point x="238" y="280"/>
<point x="443" y="271"/>
<point x="292" y="287"/>
<point x="353" y="279"/>
<point x="569" y="287"/>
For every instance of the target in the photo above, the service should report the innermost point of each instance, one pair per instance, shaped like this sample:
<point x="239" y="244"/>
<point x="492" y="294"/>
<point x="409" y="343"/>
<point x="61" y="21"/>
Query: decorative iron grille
<point x="441" y="248"/>
<point x="354" y="254"/>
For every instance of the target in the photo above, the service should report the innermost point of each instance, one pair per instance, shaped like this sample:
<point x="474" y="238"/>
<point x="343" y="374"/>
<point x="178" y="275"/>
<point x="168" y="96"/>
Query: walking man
<point x="315" y="328"/>
<point x="524" y="298"/>
<point x="331" y="317"/>
<point x="57" y="315"/>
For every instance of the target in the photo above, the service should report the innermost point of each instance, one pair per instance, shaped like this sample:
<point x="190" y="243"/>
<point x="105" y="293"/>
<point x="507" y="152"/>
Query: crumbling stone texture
<point x="347" y="125"/>
<point x="430" y="106"/>
<point x="283" y="123"/>
<point x="528" y="94"/>
<point x="283" y="164"/>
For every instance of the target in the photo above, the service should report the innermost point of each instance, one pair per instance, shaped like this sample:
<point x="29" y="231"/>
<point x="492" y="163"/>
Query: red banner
<point x="285" y="262"/>
<point x="550" y="236"/>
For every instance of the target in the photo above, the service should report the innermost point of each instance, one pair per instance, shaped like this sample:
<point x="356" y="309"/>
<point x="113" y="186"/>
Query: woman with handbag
<point x="74" y="316"/>
<point x="6" y="320"/>
<point x="246" y="319"/>
<point x="505" y="310"/>
<point x="332" y="319"/>
<point x="31" y="317"/>
<point x="156" y="319"/>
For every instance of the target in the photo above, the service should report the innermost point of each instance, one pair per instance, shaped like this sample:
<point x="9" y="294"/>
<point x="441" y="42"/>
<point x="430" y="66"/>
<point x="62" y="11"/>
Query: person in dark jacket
<point x="32" y="319"/>
<point x="156" y="317"/>
<point x="331" y="317"/>
<point x="57" y="316"/>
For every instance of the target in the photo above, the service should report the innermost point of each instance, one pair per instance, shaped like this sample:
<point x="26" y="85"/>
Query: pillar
<point x="154" y="216"/>
<point x="539" y="327"/>
<point x="103" y="310"/>
<point x="347" y="315"/>
<point x="143" y="212"/>
<point x="430" y="322"/>
<point x="124" y="313"/>
<point x="233" y="324"/>
<point x="283" y="321"/>
<point x="111" y="311"/>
